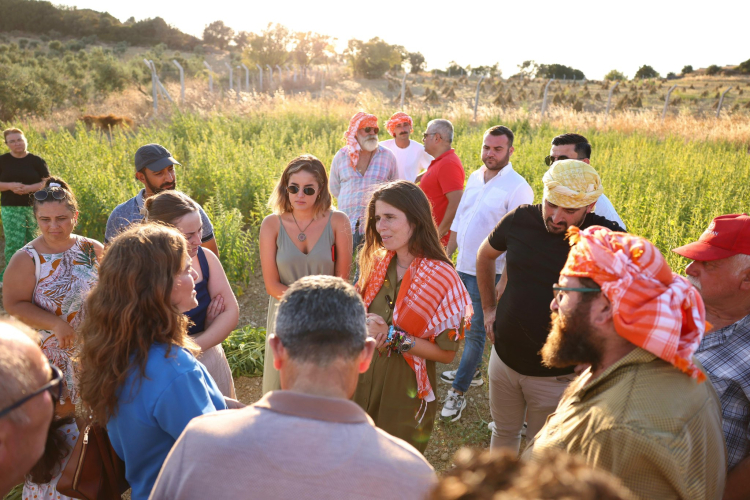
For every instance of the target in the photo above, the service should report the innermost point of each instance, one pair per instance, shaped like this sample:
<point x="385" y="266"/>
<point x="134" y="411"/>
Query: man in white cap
<point x="516" y="317"/>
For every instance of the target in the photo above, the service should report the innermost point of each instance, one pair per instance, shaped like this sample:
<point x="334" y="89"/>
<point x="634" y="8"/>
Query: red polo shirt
<point x="445" y="174"/>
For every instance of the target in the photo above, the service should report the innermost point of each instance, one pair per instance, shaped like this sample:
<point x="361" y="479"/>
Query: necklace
<point x="301" y="236"/>
<point x="399" y="264"/>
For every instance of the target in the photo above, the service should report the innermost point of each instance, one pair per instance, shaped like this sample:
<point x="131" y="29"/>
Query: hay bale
<point x="509" y="98"/>
<point x="390" y="86"/>
<point x="747" y="105"/>
<point x="408" y="93"/>
<point x="557" y="100"/>
<point x="578" y="106"/>
<point x="432" y="98"/>
<point x="451" y="94"/>
<point x="718" y="94"/>
<point x="740" y="92"/>
<point x="638" y="103"/>
<point x="522" y="96"/>
<point x="597" y="97"/>
<point x="704" y="93"/>
<point x="499" y="100"/>
<point x="676" y="101"/>
<point x="691" y="87"/>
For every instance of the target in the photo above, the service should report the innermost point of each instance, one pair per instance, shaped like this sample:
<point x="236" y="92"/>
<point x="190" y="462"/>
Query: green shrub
<point x="714" y="69"/>
<point x="686" y="70"/>
<point x="245" y="351"/>
<point x="615" y="75"/>
<point x="646" y="71"/>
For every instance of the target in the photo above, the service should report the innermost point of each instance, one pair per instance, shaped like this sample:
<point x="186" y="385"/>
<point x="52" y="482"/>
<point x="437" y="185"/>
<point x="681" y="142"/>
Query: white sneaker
<point x="454" y="405"/>
<point x="449" y="376"/>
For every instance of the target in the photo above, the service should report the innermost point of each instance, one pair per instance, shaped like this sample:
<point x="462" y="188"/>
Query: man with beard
<point x="577" y="147"/>
<point x="358" y="169"/>
<point x="492" y="191"/>
<point x="721" y="272"/>
<point x="410" y="155"/>
<point x="533" y="239"/>
<point x="642" y="410"/>
<point x="154" y="168"/>
<point x="443" y="182"/>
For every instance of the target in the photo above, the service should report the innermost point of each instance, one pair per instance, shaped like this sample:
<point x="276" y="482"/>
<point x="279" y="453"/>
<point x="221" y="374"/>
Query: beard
<point x="500" y="163"/>
<point x="694" y="281"/>
<point x="558" y="228"/>
<point x="571" y="340"/>
<point x="370" y="144"/>
<point x="158" y="189"/>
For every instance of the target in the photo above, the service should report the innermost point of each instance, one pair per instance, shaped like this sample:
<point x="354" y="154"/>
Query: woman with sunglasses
<point x="417" y="309"/>
<point x="303" y="236"/>
<point x="46" y="284"/>
<point x="217" y="312"/>
<point x="141" y="378"/>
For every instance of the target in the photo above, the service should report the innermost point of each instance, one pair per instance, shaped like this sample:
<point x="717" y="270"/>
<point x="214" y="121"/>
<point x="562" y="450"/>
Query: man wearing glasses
<point x="577" y="147"/>
<point x="532" y="237"/>
<point x="643" y="410"/>
<point x="28" y="392"/>
<point x="443" y="182"/>
<point x="358" y="169"/>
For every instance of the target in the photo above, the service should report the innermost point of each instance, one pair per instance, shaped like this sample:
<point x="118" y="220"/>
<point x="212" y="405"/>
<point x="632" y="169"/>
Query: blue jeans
<point x="473" y="338"/>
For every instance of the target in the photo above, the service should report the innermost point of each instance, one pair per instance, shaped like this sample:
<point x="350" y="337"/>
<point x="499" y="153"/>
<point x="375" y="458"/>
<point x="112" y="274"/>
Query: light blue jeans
<point x="474" y="338"/>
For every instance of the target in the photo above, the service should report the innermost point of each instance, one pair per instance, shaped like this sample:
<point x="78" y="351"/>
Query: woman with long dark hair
<point x="303" y="236"/>
<point x="417" y="308"/>
<point x="141" y="378"/>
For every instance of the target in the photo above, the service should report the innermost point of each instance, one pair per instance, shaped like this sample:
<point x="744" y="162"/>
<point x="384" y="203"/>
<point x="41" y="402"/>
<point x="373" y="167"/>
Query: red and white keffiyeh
<point x="358" y="121"/>
<point x="397" y="118"/>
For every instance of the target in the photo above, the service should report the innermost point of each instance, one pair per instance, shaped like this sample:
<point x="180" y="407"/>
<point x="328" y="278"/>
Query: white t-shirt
<point x="410" y="160"/>
<point x="605" y="209"/>
<point x="481" y="208"/>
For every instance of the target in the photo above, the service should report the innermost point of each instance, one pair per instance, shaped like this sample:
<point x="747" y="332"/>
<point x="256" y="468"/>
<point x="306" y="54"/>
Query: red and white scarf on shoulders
<point x="432" y="299"/>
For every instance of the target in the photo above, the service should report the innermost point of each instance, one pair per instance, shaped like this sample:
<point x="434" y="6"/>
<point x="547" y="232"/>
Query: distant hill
<point x="43" y="18"/>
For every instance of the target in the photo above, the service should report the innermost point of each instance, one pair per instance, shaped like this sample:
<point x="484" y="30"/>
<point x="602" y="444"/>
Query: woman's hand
<point x="215" y="308"/>
<point x="64" y="334"/>
<point x="377" y="329"/>
<point x="19" y="188"/>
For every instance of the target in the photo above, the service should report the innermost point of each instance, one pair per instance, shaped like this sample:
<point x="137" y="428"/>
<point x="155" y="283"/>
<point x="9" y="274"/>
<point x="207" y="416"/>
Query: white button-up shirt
<point x="481" y="208"/>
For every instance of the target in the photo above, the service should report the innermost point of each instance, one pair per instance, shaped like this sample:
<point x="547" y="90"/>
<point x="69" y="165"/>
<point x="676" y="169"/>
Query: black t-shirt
<point x="534" y="260"/>
<point x="27" y="170"/>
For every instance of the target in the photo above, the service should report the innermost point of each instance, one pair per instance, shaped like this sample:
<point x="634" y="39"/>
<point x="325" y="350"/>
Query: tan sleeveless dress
<point x="293" y="265"/>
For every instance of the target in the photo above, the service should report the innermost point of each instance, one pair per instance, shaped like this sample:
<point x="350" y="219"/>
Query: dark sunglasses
<point x="56" y="192"/>
<point x="309" y="191"/>
<point x="556" y="289"/>
<point x="369" y="130"/>
<point x="54" y="387"/>
<point x="549" y="159"/>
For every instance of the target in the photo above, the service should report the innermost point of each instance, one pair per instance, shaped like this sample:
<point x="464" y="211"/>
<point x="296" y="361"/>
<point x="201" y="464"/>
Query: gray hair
<point x="320" y="319"/>
<point x="442" y="127"/>
<point x="740" y="264"/>
<point x="16" y="371"/>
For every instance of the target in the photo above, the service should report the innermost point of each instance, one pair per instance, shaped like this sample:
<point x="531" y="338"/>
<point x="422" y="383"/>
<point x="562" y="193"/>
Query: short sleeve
<point x="334" y="181"/>
<point x="113" y="226"/>
<point x="42" y="169"/>
<point x="186" y="398"/>
<point x="451" y="178"/>
<point x="445" y="342"/>
<point x="498" y="237"/>
<point x="208" y="228"/>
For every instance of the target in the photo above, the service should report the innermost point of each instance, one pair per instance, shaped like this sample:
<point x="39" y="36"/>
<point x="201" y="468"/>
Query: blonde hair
<point x="279" y="201"/>
<point x="9" y="131"/>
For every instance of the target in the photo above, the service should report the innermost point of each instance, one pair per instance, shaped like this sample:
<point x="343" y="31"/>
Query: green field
<point x="666" y="189"/>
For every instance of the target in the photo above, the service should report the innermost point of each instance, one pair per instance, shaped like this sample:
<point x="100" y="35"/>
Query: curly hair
<point x="500" y="475"/>
<point x="408" y="198"/>
<point x="129" y="310"/>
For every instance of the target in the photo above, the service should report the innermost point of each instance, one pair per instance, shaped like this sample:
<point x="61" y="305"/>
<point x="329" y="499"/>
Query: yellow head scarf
<point x="572" y="184"/>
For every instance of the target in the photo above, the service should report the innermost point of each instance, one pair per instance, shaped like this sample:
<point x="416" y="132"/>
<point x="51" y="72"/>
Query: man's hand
<point x="489" y="323"/>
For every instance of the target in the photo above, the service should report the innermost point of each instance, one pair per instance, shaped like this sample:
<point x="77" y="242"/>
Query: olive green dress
<point x="293" y="265"/>
<point x="387" y="391"/>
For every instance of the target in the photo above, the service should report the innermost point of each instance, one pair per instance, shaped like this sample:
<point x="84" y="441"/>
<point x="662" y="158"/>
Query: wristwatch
<point x="406" y="344"/>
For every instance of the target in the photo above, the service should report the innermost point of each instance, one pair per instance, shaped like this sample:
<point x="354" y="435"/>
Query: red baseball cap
<point x="726" y="236"/>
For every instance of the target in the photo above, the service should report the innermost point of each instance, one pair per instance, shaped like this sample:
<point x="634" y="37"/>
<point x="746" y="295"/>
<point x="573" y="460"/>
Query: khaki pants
<point x="515" y="398"/>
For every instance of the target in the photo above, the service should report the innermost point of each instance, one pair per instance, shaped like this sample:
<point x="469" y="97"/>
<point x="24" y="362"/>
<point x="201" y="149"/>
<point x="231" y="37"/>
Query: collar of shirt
<point x="719" y="337"/>
<point x="585" y="385"/>
<point x="504" y="171"/>
<point x="140" y="198"/>
<point x="314" y="407"/>
<point x="451" y="151"/>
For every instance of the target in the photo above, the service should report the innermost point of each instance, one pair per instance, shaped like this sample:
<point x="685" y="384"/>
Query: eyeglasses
<point x="370" y="130"/>
<point x="549" y="159"/>
<point x="426" y="135"/>
<point x="309" y="191"/>
<point x="57" y="193"/>
<point x="556" y="289"/>
<point x="54" y="387"/>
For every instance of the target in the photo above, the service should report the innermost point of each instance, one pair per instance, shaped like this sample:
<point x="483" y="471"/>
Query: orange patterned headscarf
<point x="653" y="307"/>
<point x="358" y="121"/>
<point x="397" y="118"/>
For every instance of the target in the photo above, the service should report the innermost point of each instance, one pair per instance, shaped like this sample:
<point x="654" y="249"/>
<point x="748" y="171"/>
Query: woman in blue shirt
<point x="141" y="377"/>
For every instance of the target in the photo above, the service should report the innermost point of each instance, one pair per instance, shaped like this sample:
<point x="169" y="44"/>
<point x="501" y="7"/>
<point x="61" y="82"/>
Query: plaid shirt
<point x="353" y="190"/>
<point x="647" y="423"/>
<point x="725" y="354"/>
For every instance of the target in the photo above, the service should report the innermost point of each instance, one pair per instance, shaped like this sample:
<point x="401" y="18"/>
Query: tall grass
<point x="665" y="186"/>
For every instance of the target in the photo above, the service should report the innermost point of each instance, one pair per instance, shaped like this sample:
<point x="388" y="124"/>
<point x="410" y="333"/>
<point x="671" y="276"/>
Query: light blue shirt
<point x="152" y="412"/>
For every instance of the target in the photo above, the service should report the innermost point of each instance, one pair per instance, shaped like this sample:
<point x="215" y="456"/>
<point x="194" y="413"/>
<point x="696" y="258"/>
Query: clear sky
<point x="593" y="36"/>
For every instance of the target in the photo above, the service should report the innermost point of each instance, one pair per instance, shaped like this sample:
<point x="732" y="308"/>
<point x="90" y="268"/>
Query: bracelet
<point x="399" y="341"/>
